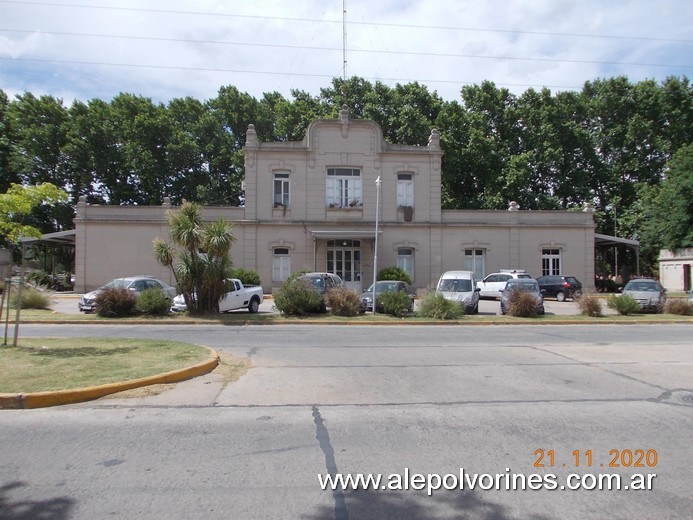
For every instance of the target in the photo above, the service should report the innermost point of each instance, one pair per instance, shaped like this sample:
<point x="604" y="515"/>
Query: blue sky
<point x="166" y="49"/>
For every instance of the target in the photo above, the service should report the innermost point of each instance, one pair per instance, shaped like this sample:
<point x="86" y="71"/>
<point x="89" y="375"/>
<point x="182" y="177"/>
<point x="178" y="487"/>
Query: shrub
<point x="343" y="302"/>
<point x="679" y="307"/>
<point x="115" y="302"/>
<point x="522" y="304"/>
<point x="40" y="278"/>
<point x="246" y="276"/>
<point x="589" y="305"/>
<point x="434" y="305"/>
<point x="153" y="302"/>
<point x="297" y="298"/>
<point x="32" y="299"/>
<point x="394" y="303"/>
<point x="623" y="304"/>
<point x="394" y="273"/>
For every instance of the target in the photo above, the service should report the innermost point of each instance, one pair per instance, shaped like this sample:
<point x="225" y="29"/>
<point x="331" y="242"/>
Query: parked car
<point x="492" y="284"/>
<point x="239" y="296"/>
<point x="648" y="292"/>
<point x="386" y="286"/>
<point x="522" y="284"/>
<point x="134" y="283"/>
<point x="460" y="287"/>
<point x="560" y="287"/>
<point x="322" y="282"/>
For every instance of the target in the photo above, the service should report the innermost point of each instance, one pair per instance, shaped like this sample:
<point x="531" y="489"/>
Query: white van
<point x="460" y="287"/>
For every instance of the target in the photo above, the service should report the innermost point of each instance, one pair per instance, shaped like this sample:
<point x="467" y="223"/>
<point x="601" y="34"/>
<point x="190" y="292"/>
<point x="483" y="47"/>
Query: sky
<point x="166" y="49"/>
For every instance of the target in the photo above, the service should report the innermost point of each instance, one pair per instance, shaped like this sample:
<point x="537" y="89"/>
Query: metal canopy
<point x="59" y="238"/>
<point x="607" y="240"/>
<point x="339" y="234"/>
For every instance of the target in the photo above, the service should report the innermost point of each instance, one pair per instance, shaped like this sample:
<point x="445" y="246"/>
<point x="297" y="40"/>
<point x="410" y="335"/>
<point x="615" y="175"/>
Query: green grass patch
<point x="50" y="364"/>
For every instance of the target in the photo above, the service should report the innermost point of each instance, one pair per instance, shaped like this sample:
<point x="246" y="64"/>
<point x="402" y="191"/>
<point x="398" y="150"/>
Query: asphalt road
<point x="390" y="400"/>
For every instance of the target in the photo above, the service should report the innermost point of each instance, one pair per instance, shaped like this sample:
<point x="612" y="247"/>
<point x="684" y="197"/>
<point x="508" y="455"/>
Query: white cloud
<point x="180" y="48"/>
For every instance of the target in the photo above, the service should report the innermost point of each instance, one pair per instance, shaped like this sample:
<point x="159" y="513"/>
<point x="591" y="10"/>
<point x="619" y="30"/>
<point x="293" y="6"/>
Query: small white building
<point x="675" y="269"/>
<point x="311" y="204"/>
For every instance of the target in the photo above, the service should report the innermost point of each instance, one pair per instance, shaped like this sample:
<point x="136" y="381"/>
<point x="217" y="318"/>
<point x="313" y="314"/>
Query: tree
<point x="18" y="203"/>
<point x="671" y="207"/>
<point x="203" y="263"/>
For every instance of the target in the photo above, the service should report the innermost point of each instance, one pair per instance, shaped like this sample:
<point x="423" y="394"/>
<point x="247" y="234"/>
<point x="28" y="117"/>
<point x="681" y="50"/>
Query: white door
<point x="344" y="260"/>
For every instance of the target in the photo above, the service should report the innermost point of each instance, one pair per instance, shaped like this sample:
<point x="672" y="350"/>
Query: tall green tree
<point x="671" y="205"/>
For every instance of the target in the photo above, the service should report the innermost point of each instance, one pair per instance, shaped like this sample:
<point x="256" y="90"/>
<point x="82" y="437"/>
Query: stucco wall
<point x="672" y="265"/>
<point x="117" y="241"/>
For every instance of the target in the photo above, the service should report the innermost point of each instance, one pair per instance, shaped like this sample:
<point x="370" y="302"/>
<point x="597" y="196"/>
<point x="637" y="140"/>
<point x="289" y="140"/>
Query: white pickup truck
<point x="239" y="297"/>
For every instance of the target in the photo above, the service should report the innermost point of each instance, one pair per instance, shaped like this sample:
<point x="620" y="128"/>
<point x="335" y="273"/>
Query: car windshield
<point x="384" y="287"/>
<point x="641" y="286"/>
<point x="116" y="284"/>
<point x="518" y="285"/>
<point x="317" y="282"/>
<point x="452" y="285"/>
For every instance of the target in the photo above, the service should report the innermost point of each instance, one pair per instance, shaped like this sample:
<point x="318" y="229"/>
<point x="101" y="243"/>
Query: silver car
<point x="134" y="283"/>
<point x="649" y="294"/>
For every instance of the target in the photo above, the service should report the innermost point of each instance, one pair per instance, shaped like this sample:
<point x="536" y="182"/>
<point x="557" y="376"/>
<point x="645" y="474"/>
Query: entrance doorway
<point x="344" y="260"/>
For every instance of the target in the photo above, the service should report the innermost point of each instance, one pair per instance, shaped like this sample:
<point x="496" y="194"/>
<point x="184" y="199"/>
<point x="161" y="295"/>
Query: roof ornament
<point x="251" y="136"/>
<point x="344" y="118"/>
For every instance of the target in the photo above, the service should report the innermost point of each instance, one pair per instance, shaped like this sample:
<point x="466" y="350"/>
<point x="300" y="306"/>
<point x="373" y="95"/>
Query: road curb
<point x="79" y="395"/>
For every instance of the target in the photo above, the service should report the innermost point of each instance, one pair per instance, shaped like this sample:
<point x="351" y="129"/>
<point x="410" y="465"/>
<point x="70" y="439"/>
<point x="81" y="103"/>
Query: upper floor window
<point x="343" y="187"/>
<point x="550" y="262"/>
<point x="281" y="189"/>
<point x="405" y="189"/>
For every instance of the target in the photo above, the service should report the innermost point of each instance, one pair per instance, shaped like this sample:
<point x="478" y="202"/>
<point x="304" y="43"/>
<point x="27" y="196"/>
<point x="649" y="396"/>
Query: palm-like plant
<point x="203" y="262"/>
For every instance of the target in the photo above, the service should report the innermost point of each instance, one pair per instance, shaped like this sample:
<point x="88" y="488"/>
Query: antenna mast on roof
<point x="344" y="41"/>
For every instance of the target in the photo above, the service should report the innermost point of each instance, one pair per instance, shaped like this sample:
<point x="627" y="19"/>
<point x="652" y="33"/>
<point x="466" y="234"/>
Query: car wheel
<point x="475" y="310"/>
<point x="577" y="294"/>
<point x="560" y="296"/>
<point x="253" y="306"/>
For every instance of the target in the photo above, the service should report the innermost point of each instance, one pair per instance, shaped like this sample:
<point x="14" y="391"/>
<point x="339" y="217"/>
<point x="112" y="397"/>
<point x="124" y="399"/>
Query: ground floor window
<point x="405" y="260"/>
<point x="550" y="262"/>
<point x="281" y="264"/>
<point x="475" y="261"/>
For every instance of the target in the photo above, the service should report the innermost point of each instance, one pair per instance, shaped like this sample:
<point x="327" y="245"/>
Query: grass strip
<point x="50" y="364"/>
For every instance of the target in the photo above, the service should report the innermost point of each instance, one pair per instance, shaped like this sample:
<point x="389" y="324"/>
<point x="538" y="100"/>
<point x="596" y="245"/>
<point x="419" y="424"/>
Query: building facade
<point x="315" y="204"/>
<point x="675" y="268"/>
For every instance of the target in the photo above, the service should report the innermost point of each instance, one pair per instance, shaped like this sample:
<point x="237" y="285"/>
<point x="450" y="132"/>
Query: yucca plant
<point x="202" y="263"/>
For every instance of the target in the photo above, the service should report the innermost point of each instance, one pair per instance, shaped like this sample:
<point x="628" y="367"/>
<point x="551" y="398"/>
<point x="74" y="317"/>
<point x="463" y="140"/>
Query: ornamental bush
<point x="32" y="299"/>
<point x="522" y="304"/>
<point x="297" y="298"/>
<point x="115" y="302"/>
<point x="343" y="302"/>
<point x="434" y="305"/>
<point x="679" y="307"/>
<point x="589" y="305"/>
<point x="40" y="278"/>
<point x="246" y="276"/>
<point x="153" y="302"/>
<point x="394" y="274"/>
<point x="623" y="304"/>
<point x="394" y="303"/>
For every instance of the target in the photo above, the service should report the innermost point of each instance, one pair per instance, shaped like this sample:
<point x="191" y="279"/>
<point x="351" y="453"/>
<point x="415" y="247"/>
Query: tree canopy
<point x="609" y="144"/>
